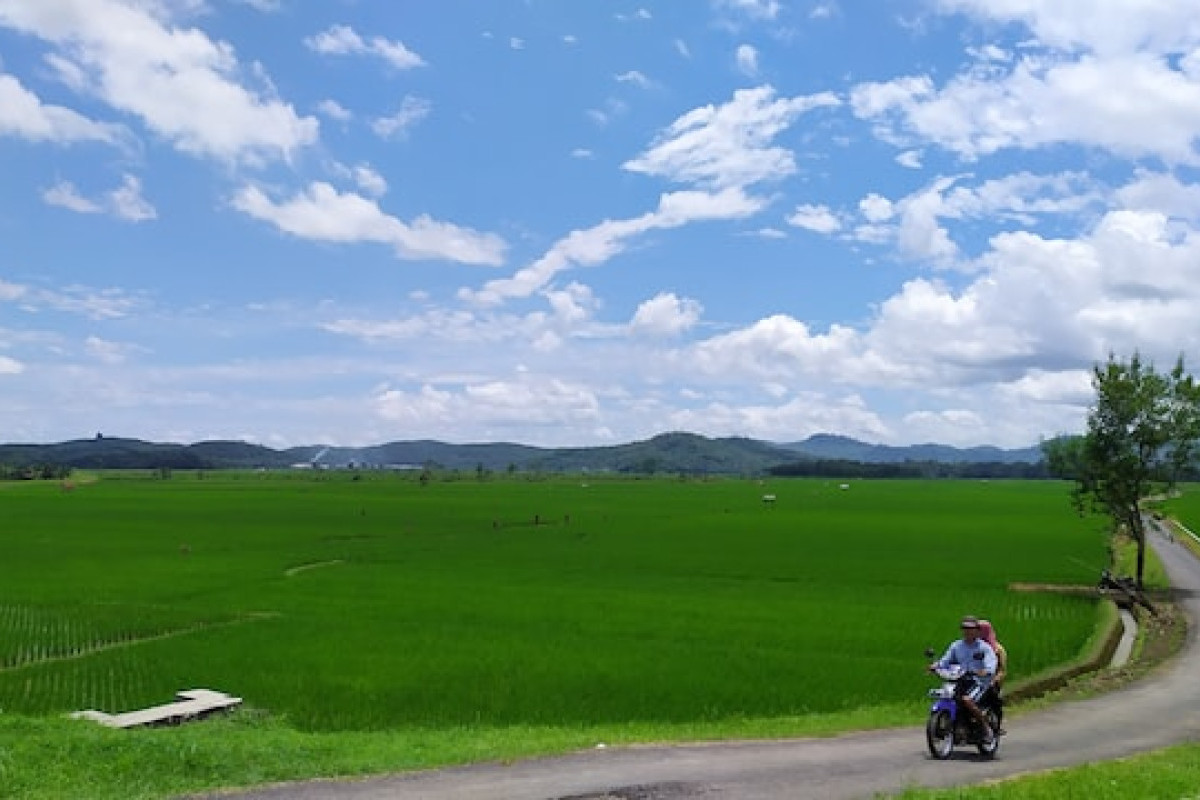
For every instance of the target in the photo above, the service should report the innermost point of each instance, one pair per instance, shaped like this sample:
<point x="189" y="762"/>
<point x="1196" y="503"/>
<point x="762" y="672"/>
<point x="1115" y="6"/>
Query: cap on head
<point x="970" y="622"/>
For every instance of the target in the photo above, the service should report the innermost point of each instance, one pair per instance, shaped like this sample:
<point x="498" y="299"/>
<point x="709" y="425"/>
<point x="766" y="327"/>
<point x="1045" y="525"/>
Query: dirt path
<point x="1150" y="714"/>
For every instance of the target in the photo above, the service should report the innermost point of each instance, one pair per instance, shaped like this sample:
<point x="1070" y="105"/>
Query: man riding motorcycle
<point x="978" y="659"/>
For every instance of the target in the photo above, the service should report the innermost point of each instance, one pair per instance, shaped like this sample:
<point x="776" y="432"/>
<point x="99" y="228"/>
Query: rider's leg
<point x="969" y="701"/>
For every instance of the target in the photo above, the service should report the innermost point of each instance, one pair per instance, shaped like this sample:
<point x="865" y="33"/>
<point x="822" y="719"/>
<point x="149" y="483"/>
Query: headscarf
<point x="988" y="633"/>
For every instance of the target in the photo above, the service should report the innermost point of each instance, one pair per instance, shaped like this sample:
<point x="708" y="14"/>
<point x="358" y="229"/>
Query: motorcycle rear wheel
<point x="989" y="750"/>
<point x="939" y="735"/>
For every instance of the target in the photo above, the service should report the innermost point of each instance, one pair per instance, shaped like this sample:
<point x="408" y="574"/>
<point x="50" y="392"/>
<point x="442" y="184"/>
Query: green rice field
<point x="343" y="602"/>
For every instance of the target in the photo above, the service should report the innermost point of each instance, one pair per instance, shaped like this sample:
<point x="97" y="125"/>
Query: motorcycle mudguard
<point x="944" y="704"/>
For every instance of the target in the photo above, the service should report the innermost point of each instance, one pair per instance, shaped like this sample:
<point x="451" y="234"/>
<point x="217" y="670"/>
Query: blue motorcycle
<point x="952" y="724"/>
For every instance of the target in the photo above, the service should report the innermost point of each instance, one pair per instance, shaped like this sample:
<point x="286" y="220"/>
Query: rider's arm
<point x="946" y="660"/>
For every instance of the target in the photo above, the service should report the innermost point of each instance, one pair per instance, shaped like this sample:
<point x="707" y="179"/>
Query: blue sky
<point x="585" y="223"/>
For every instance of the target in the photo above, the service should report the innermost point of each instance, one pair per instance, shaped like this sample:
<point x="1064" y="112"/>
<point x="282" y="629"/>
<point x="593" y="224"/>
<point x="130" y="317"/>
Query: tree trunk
<point x="1138" y="528"/>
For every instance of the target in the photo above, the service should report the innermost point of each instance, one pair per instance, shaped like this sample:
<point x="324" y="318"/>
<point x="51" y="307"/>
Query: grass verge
<point x="1170" y="773"/>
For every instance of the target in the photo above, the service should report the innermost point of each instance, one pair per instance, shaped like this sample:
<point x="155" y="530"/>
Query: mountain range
<point x="665" y="453"/>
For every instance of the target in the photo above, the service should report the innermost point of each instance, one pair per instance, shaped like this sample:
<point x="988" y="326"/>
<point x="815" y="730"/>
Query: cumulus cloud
<point x="1112" y="76"/>
<point x="529" y="401"/>
<point x="321" y="213"/>
<point x="918" y="224"/>
<point x="816" y="218"/>
<point x="1104" y="28"/>
<point x="665" y="315"/>
<point x="184" y="86"/>
<point x="798" y="416"/>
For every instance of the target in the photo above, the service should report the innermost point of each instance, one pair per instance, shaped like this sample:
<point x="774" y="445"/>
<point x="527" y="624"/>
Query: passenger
<point x="988" y="632"/>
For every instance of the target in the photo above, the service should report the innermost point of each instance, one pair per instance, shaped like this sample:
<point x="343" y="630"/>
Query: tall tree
<point x="1141" y="435"/>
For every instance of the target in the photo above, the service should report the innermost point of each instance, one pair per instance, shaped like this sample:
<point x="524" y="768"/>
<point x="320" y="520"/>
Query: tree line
<point x="845" y="468"/>
<point x="34" y="472"/>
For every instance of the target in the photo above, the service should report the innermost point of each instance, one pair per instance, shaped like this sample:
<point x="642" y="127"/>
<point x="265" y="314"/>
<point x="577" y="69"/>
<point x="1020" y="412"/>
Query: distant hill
<point x="679" y="453"/>
<point x="843" y="448"/>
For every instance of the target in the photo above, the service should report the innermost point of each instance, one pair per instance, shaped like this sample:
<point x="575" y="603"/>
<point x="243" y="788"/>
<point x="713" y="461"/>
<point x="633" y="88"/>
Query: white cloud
<point x="125" y="202"/>
<point x="184" y="86"/>
<point x="526" y="402"/>
<point x="1112" y="76"/>
<point x="824" y="10"/>
<point x="322" y="213"/>
<point x="10" y="366"/>
<point x="721" y="149"/>
<point x="370" y="181"/>
<point x="64" y="195"/>
<point x="1163" y="193"/>
<point x="755" y="9"/>
<point x="343" y="40"/>
<point x="665" y="315"/>
<point x="334" y="110"/>
<point x="816" y="218"/>
<point x="729" y="145"/>
<point x="108" y="352"/>
<point x="876" y="208"/>
<point x="917" y="224"/>
<point x="747" y="60"/>
<point x="778" y="347"/>
<point x="24" y="115"/>
<point x="797" y="417"/>
<point x="602" y="242"/>
<point x="1109" y="28"/>
<point x="412" y="111"/>
<point x="636" y="78"/>
<point x="95" y="304"/>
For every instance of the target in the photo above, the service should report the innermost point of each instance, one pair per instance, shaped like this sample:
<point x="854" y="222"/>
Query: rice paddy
<point x="343" y="602"/>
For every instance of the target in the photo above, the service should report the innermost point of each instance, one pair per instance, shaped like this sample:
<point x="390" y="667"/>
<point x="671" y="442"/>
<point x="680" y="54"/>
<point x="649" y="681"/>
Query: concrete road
<point x="1156" y="712"/>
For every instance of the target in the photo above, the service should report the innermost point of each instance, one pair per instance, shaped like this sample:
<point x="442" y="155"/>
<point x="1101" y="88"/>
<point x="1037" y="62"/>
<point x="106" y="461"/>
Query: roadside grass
<point x="1171" y="773"/>
<point x="55" y="758"/>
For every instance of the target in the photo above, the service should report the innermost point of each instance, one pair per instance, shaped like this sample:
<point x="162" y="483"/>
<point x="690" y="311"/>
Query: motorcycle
<point x="950" y="723"/>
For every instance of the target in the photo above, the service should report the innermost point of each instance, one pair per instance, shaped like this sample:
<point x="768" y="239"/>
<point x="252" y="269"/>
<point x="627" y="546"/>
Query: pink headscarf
<point x="988" y="633"/>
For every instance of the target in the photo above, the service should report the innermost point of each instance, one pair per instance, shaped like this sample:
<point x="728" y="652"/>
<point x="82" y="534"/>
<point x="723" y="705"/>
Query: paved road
<point x="1151" y="714"/>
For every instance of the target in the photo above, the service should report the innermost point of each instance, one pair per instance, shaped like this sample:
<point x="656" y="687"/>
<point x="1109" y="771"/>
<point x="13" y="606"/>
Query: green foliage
<point x="1141" y="435"/>
<point x="378" y="603"/>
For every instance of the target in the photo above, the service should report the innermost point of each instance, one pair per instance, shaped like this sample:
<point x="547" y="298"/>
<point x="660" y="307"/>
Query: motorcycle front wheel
<point x="939" y="735"/>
